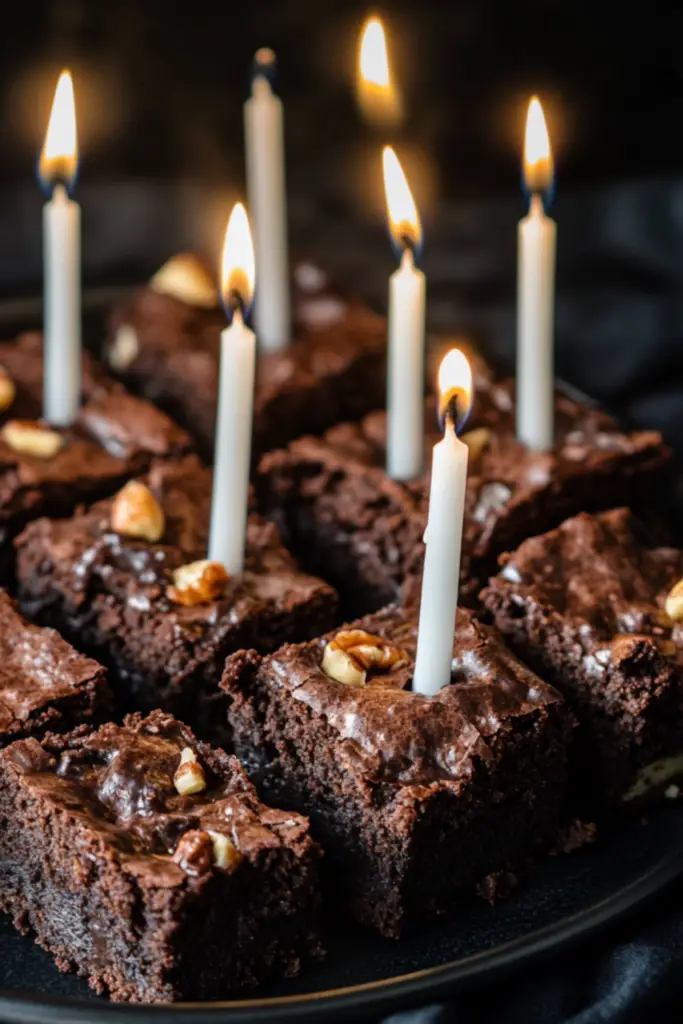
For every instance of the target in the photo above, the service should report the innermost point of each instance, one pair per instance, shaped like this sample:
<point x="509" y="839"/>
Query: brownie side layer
<point x="115" y="872"/>
<point x="44" y="683"/>
<point x="108" y="594"/>
<point x="346" y="521"/>
<point x="584" y="605"/>
<point x="414" y="799"/>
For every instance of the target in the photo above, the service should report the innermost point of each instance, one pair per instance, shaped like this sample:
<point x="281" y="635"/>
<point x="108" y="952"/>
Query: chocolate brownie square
<point x="46" y="470"/>
<point x="585" y="606"/>
<point x="143" y="860"/>
<point x="162" y="628"/>
<point x="165" y="344"/>
<point x="415" y="799"/>
<point x="345" y="520"/>
<point x="44" y="683"/>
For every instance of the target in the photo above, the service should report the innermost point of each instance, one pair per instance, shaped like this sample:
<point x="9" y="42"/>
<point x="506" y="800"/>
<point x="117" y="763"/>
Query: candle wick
<point x="59" y="192"/>
<point x="536" y="205"/>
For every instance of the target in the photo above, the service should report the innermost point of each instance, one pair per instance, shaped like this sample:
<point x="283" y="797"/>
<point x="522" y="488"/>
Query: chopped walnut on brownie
<point x="153" y="889"/>
<point x="594" y="607"/>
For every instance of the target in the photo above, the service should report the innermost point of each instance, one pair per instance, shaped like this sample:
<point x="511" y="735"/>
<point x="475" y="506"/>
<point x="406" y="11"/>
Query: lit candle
<point x="378" y="95"/>
<point x="443" y="536"/>
<point x="228" y="532"/>
<point x="406" y="349"/>
<point x="62" y="262"/>
<point x="536" y="294"/>
<point x="264" y="132"/>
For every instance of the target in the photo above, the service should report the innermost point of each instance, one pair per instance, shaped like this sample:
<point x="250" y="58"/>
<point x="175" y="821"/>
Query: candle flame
<point x="404" y="220"/>
<point x="238" y="266"/>
<point x="538" y="157"/>
<point x="59" y="158"/>
<point x="377" y="95"/>
<point x="455" y="388"/>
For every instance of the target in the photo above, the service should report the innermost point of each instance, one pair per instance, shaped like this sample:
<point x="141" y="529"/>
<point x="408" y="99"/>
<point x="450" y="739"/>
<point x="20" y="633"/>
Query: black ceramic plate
<point x="565" y="899"/>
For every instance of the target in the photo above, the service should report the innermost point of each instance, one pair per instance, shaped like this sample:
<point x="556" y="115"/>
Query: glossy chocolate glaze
<point x="119" y="782"/>
<point x="387" y="733"/>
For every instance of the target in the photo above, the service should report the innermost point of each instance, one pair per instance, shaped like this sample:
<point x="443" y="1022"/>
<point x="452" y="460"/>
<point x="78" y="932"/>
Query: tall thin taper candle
<point x="537" y="239"/>
<point x="227" y="538"/>
<point x="406" y="343"/>
<point x="62" y="264"/>
<point x="265" y="152"/>
<point x="443" y="536"/>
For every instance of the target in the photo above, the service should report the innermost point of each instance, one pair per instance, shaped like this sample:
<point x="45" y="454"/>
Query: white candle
<point x="62" y="264"/>
<point x="536" y="296"/>
<point x="443" y="536"/>
<point x="227" y="538"/>
<point x="406" y="348"/>
<point x="265" y="151"/>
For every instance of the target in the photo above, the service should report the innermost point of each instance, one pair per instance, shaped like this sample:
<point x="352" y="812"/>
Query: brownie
<point x="584" y="605"/>
<point x="168" y="349"/>
<point x="112" y="595"/>
<point x="153" y="888"/>
<point x="415" y="799"/>
<point x="344" y="519"/>
<point x="116" y="435"/>
<point x="44" y="683"/>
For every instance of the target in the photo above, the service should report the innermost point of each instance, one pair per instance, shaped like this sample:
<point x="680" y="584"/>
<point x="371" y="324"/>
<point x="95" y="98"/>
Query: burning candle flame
<point x="455" y="388"/>
<point x="538" y="157"/>
<point x="377" y="95"/>
<point x="238" y="270"/>
<point x="404" y="220"/>
<point x="59" y="157"/>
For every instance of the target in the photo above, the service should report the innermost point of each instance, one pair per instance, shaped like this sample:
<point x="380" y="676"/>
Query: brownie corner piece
<point x="585" y="606"/>
<point x="415" y="799"/>
<point x="143" y="860"/>
<point x="44" y="683"/>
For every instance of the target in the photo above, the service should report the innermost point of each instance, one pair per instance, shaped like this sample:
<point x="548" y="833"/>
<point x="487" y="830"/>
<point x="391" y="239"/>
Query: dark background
<point x="160" y="88"/>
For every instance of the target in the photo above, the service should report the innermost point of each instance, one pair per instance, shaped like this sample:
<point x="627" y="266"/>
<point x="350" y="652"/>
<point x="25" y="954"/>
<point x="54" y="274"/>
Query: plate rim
<point x="374" y="997"/>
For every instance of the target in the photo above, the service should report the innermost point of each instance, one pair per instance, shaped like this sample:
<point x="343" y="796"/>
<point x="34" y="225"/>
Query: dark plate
<point x="565" y="899"/>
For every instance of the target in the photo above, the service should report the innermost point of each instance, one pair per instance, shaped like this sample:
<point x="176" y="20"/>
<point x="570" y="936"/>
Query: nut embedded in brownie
<point x="44" y="683"/>
<point x="346" y="521"/>
<point x="128" y="582"/>
<point x="593" y="607"/>
<point x="165" y="343"/>
<point x="415" y="799"/>
<point x="153" y="890"/>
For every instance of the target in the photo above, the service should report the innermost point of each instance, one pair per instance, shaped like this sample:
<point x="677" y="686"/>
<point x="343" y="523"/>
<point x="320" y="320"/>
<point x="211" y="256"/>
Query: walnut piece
<point x="124" y="348"/>
<point x="186" y="278"/>
<point x="225" y="853"/>
<point x="477" y="440"/>
<point x="352" y="653"/>
<point x="189" y="776"/>
<point x="194" y="852"/>
<point x="198" y="583"/>
<point x="137" y="513"/>
<point x="8" y="391"/>
<point x="32" y="438"/>
<point x="673" y="606"/>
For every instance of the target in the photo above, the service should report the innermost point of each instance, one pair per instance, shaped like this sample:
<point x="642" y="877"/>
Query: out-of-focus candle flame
<point x="538" y="157"/>
<point x="378" y="97"/>
<point x="238" y="269"/>
<point x="59" y="157"/>
<point x="455" y="388"/>
<point x="404" y="220"/>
